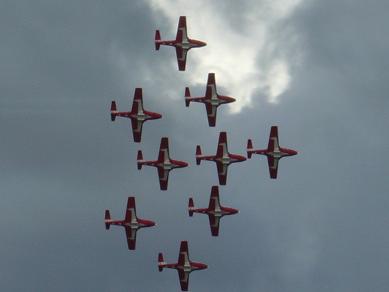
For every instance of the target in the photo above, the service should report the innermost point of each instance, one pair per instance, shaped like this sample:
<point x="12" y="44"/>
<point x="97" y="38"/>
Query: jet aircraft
<point x="211" y="99"/>
<point x="184" y="266"/>
<point x="222" y="158"/>
<point x="215" y="211"/>
<point x="131" y="222"/>
<point x="273" y="152"/>
<point x="137" y="114"/>
<point x="164" y="163"/>
<point x="182" y="43"/>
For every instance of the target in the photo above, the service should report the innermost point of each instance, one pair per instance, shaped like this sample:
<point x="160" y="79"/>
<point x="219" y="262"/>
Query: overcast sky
<point x="317" y="69"/>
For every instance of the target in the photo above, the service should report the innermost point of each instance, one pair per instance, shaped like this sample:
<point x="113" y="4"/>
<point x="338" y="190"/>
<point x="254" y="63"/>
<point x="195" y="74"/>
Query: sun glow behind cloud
<point x="248" y="56"/>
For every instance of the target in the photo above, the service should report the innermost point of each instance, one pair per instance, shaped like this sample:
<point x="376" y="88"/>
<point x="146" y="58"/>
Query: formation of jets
<point x="165" y="164"/>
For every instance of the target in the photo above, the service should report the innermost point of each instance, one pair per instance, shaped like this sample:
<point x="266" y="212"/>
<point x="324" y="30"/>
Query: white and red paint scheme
<point x="184" y="266"/>
<point x="222" y="158"/>
<point x="164" y="163"/>
<point x="131" y="223"/>
<point x="273" y="152"/>
<point x="215" y="211"/>
<point x="182" y="43"/>
<point x="138" y="114"/>
<point x="211" y="99"/>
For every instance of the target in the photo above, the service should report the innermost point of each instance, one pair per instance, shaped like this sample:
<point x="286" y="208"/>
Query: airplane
<point x="215" y="211"/>
<point x="182" y="43"/>
<point x="222" y="158"/>
<point x="211" y="99"/>
<point x="164" y="164"/>
<point x="131" y="223"/>
<point x="184" y="266"/>
<point x="137" y="114"/>
<point x="273" y="152"/>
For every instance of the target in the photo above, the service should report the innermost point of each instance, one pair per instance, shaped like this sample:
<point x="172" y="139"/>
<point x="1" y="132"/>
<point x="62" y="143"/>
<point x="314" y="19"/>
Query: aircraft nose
<point x="293" y="152"/>
<point x="202" y="44"/>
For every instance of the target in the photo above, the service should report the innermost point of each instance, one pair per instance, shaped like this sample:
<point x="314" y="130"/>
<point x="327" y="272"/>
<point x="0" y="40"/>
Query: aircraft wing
<point x="211" y="114"/>
<point x="137" y="104"/>
<point x="222" y="172"/>
<point x="211" y="86"/>
<point x="273" y="166"/>
<point x="223" y="142"/>
<point x="163" y="150"/>
<point x="184" y="280"/>
<point x="214" y="224"/>
<point x="181" y="58"/>
<point x="131" y="237"/>
<point x="214" y="201"/>
<point x="136" y="129"/>
<point x="273" y="140"/>
<point x="183" y="256"/>
<point x="182" y="35"/>
<point x="163" y="178"/>
<point x="131" y="210"/>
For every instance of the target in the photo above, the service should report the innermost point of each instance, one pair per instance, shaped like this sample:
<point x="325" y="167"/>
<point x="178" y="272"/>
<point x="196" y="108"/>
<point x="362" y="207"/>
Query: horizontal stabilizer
<point x="113" y="106"/>
<point x="161" y="262"/>
<point x="198" y="153"/>
<point x="107" y="217"/>
<point x="187" y="95"/>
<point x="249" y="148"/>
<point x="190" y="207"/>
<point x="113" y="110"/>
<point x="157" y="39"/>
<point x="139" y="158"/>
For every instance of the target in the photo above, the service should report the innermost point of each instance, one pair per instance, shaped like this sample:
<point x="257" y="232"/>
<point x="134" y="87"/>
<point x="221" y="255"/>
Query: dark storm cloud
<point x="319" y="227"/>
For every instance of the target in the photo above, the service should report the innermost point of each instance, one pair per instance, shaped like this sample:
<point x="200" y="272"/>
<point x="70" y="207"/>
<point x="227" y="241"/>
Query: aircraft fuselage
<point x="225" y="160"/>
<point x="141" y="116"/>
<point x="185" y="45"/>
<point x="217" y="212"/>
<point x="167" y="165"/>
<point x="215" y="102"/>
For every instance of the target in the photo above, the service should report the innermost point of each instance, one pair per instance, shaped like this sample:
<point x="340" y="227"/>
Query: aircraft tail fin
<point x="249" y="148"/>
<point x="157" y="39"/>
<point x="107" y="218"/>
<point x="139" y="158"/>
<point x="161" y="262"/>
<point x="187" y="96"/>
<point x="198" y="154"/>
<point x="190" y="207"/>
<point x="113" y="110"/>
